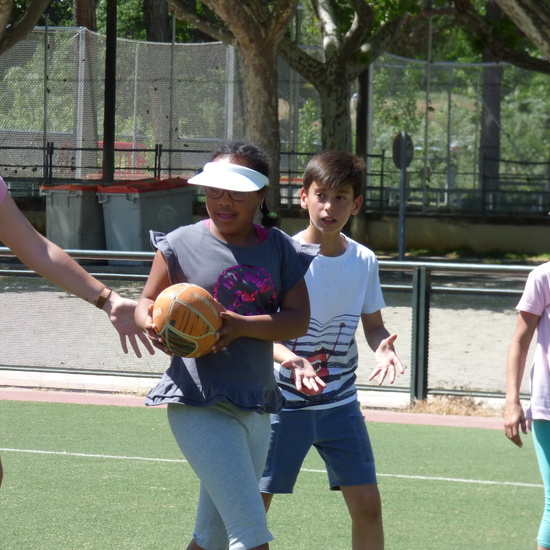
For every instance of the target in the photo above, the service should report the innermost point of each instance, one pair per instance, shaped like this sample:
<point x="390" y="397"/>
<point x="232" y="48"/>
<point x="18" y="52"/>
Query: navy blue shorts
<point x="340" y="436"/>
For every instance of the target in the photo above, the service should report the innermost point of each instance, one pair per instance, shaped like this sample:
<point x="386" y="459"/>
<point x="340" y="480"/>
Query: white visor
<point x="232" y="177"/>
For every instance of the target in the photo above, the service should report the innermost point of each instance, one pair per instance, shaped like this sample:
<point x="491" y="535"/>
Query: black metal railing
<point x="522" y="189"/>
<point x="453" y="320"/>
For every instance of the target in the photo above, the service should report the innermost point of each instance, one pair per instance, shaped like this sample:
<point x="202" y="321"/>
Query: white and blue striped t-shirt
<point x="341" y="288"/>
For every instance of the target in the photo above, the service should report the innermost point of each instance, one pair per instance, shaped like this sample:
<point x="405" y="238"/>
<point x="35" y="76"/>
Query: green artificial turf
<point x="112" y="478"/>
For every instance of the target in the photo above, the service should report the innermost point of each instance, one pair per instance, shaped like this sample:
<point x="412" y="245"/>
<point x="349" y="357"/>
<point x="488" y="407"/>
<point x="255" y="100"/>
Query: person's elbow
<point x="304" y="323"/>
<point x="301" y="324"/>
<point x="296" y="303"/>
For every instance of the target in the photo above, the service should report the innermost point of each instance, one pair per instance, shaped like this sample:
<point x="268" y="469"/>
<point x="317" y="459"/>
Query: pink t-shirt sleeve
<point x="536" y="295"/>
<point x="3" y="190"/>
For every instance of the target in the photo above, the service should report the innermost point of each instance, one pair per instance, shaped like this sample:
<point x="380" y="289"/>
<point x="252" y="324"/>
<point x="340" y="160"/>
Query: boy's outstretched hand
<point x="305" y="377"/>
<point x="386" y="361"/>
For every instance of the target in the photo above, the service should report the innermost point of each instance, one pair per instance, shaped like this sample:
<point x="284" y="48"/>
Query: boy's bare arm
<point x="381" y="342"/>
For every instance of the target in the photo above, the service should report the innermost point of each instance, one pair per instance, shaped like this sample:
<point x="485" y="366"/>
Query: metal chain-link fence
<point x="471" y="319"/>
<point x="176" y="102"/>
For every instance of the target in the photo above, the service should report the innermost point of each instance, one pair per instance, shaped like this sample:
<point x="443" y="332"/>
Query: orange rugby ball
<point x="187" y="317"/>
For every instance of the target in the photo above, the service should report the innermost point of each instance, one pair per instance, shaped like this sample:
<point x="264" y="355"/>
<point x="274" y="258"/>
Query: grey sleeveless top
<point x="248" y="280"/>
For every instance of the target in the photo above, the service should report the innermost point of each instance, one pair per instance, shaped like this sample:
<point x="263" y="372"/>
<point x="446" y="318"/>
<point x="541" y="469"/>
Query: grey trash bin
<point x="74" y="217"/>
<point x="132" y="209"/>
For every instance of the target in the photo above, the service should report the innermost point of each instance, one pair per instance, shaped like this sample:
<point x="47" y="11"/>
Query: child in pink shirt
<point x="534" y="315"/>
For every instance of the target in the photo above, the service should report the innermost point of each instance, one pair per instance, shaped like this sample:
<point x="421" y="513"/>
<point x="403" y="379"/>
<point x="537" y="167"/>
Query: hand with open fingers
<point x="304" y="375"/>
<point x="514" y="420"/>
<point x="386" y="361"/>
<point x="121" y="316"/>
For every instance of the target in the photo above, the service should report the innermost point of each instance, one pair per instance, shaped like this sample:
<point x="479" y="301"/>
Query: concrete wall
<point x="445" y="233"/>
<point x="531" y="236"/>
<point x="528" y="236"/>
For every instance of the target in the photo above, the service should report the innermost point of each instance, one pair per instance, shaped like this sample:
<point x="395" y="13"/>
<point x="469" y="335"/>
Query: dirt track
<point x="10" y="394"/>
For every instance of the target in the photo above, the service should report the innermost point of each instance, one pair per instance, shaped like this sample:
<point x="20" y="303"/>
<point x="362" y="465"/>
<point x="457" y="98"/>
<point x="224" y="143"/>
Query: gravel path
<point x="469" y="334"/>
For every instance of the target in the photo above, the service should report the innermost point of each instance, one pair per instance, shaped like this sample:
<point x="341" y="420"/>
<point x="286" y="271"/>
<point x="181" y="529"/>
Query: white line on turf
<point x="454" y="479"/>
<point x="459" y="480"/>
<point x="86" y="455"/>
<point x="181" y="461"/>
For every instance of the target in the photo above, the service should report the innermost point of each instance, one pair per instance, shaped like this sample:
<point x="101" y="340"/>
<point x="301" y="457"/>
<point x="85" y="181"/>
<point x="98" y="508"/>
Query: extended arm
<point x="514" y="416"/>
<point x="50" y="261"/>
<point x="291" y="321"/>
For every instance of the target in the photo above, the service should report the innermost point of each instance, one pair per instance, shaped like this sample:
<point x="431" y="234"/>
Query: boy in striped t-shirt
<point x="322" y="409"/>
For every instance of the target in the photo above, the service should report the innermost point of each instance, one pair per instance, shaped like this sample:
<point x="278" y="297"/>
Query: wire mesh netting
<point x="467" y="346"/>
<point x="469" y="339"/>
<point x="181" y="100"/>
<point x="469" y="332"/>
<point x="53" y="329"/>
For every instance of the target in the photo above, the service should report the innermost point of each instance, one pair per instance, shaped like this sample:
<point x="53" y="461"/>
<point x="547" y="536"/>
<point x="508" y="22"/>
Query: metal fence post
<point x="48" y="164"/>
<point x="158" y="163"/>
<point x="420" y="333"/>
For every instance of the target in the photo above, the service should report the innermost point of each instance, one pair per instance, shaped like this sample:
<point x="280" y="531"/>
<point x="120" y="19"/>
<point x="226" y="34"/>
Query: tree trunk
<point x="335" y="95"/>
<point x="489" y="153"/>
<point x="158" y="29"/>
<point x="157" y="21"/>
<point x="84" y="14"/>
<point x="332" y="81"/>
<point x="261" y="111"/>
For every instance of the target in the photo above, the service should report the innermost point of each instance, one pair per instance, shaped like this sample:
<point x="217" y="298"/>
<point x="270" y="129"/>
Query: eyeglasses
<point x="217" y="193"/>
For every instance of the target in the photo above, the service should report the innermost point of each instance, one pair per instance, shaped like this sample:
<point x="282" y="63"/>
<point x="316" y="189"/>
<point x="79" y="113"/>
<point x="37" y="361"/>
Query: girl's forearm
<point x="142" y="313"/>
<point x="275" y="327"/>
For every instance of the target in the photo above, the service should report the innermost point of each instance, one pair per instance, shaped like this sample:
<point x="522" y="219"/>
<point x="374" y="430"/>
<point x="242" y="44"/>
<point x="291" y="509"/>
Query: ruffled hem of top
<point x="167" y="392"/>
